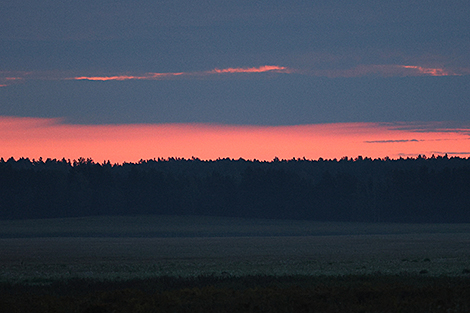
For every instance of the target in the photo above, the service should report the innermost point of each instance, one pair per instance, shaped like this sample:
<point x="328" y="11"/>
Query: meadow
<point x="246" y="258"/>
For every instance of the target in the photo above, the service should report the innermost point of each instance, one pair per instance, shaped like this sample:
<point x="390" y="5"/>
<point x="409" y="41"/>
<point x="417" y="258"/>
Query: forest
<point x="405" y="190"/>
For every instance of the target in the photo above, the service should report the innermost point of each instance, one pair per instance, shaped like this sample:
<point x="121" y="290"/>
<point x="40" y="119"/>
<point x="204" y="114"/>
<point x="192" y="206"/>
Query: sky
<point x="124" y="81"/>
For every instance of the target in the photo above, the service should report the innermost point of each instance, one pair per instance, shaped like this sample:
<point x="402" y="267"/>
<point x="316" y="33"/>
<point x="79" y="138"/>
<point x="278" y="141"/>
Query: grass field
<point x="209" y="264"/>
<point x="42" y="251"/>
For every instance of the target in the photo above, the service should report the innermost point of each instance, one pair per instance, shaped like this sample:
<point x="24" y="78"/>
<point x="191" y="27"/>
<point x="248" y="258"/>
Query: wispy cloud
<point x="385" y="70"/>
<point x="11" y="77"/>
<point x="430" y="71"/>
<point x="8" y="77"/>
<point x="147" y="76"/>
<point x="391" y="141"/>
<point x="442" y="153"/>
<point x="430" y="132"/>
<point x="216" y="71"/>
<point x="451" y="153"/>
<point x="261" y="69"/>
<point x="431" y="127"/>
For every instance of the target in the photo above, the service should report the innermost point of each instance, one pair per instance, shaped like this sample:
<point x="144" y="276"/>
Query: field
<point x="226" y="252"/>
<point x="148" y="246"/>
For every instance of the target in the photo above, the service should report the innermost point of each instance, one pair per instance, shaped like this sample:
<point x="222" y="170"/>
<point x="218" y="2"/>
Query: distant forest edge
<point x="412" y="190"/>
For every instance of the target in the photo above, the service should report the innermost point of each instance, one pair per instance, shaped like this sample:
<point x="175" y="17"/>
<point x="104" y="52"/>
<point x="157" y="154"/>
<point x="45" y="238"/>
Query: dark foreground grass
<point x="371" y="293"/>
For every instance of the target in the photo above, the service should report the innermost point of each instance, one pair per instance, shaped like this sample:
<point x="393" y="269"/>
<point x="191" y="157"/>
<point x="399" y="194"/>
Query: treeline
<point x="435" y="189"/>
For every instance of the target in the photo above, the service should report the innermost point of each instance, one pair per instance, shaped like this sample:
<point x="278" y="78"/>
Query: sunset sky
<point x="124" y="81"/>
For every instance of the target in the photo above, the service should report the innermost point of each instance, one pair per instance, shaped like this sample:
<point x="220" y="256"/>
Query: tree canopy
<point x="421" y="189"/>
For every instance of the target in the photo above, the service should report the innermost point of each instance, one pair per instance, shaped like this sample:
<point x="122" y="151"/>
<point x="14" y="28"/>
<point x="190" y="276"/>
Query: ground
<point x="147" y="246"/>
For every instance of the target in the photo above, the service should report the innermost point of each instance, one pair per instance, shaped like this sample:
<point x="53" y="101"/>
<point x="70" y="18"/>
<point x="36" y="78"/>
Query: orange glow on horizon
<point x="49" y="138"/>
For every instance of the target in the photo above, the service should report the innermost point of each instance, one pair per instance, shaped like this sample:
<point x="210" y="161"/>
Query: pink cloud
<point x="7" y="78"/>
<point x="358" y="71"/>
<point x="105" y="78"/>
<point x="159" y="76"/>
<point x="387" y="70"/>
<point x="383" y="70"/>
<point x="261" y="69"/>
<point x="430" y="71"/>
<point x="147" y="76"/>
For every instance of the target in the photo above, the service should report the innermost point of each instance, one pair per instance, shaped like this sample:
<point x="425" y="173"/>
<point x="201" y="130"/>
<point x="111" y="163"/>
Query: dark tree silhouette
<point x="381" y="190"/>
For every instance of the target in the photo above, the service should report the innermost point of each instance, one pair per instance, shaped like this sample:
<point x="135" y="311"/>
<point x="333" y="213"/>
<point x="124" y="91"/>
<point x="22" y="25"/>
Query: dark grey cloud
<point x="455" y="126"/>
<point x="451" y="153"/>
<point x="391" y="141"/>
<point x="332" y="45"/>
<point x="227" y="32"/>
<point x="284" y="99"/>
